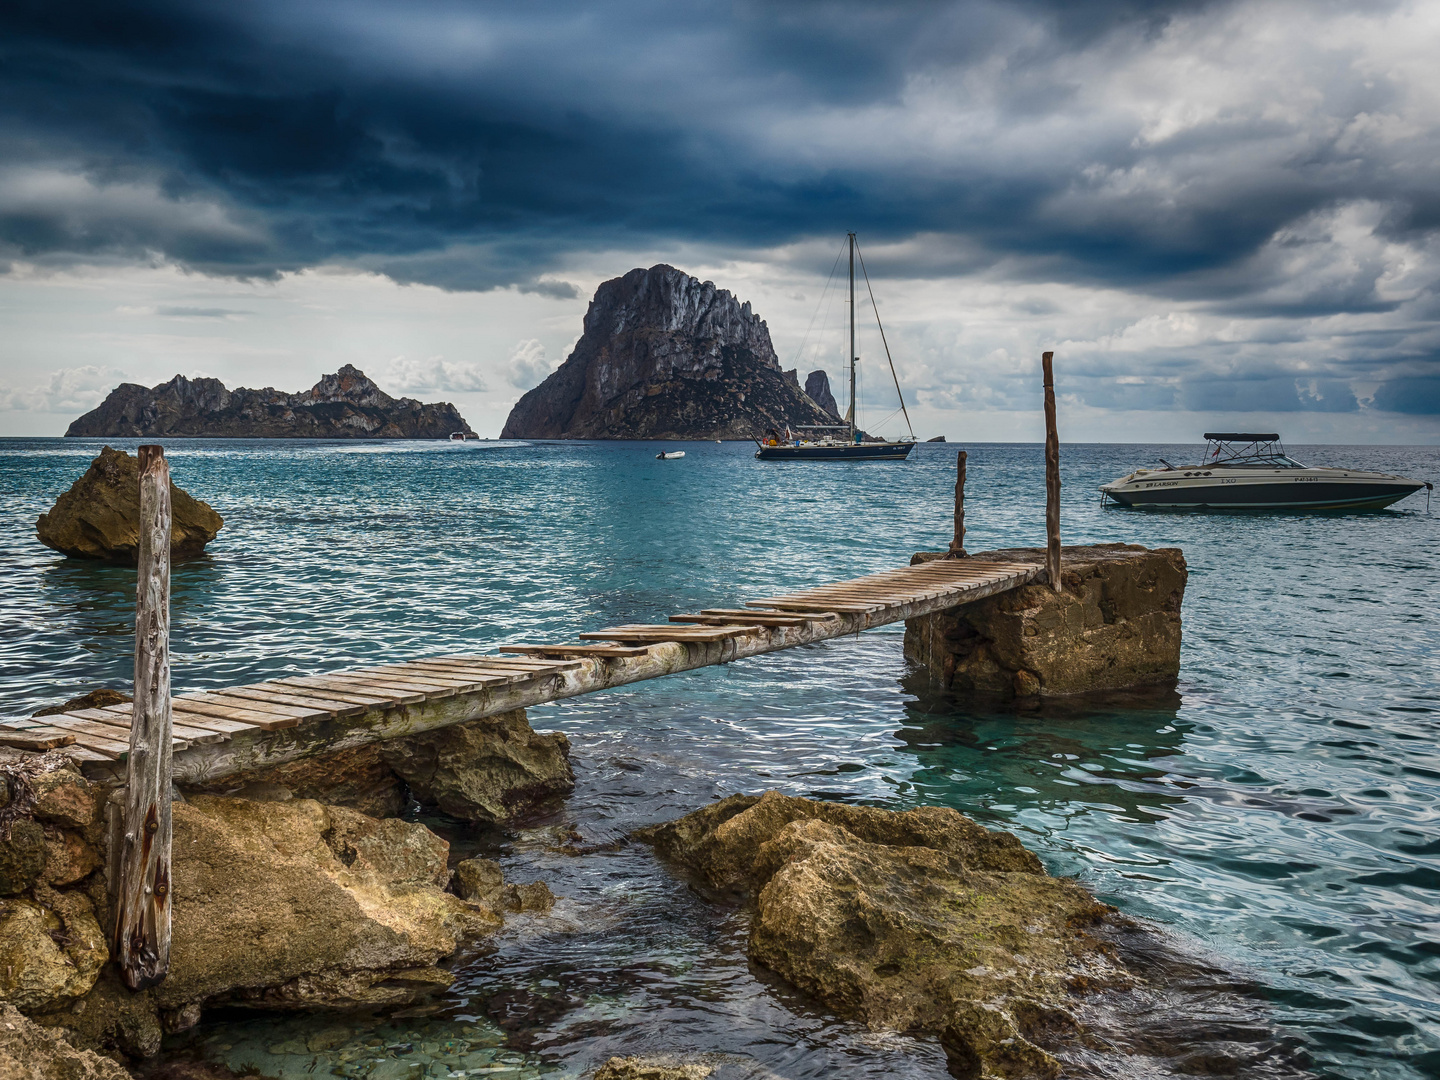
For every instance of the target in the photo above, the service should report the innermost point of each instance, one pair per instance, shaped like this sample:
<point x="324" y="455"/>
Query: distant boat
<point x="669" y="455"/>
<point x="1246" y="470"/>
<point x="461" y="436"/>
<point x="842" y="442"/>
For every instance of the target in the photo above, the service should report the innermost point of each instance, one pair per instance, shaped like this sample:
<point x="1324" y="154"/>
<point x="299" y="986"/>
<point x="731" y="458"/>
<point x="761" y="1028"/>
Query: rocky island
<point x="345" y="405"/>
<point x="667" y="356"/>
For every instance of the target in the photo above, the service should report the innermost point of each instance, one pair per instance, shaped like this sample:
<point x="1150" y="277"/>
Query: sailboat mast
<point x="852" y="338"/>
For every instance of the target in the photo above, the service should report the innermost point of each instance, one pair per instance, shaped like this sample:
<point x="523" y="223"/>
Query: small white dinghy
<point x="668" y="455"/>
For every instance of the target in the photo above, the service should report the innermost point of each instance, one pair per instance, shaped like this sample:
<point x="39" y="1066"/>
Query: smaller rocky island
<point x="345" y="405"/>
<point x="99" y="517"/>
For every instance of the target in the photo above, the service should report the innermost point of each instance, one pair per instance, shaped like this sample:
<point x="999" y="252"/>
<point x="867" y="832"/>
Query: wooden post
<point x="1052" y="477"/>
<point x="957" y="545"/>
<point x="142" y="883"/>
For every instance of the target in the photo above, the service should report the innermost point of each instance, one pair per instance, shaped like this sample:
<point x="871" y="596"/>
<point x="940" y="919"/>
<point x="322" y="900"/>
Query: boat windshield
<point x="1239" y="449"/>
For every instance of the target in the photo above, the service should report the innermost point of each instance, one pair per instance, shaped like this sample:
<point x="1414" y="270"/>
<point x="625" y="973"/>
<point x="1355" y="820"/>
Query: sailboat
<point x="842" y="442"/>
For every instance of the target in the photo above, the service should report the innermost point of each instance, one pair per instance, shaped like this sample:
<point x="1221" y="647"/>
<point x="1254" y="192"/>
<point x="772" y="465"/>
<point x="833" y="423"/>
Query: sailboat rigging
<point x="853" y="445"/>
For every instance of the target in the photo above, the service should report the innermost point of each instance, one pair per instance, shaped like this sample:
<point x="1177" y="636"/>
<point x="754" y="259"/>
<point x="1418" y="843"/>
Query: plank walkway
<point x="219" y="732"/>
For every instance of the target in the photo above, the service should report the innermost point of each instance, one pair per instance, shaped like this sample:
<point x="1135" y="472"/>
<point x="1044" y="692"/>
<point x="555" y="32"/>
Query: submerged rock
<point x="99" y="517"/>
<point x="492" y="770"/>
<point x="30" y="1052"/>
<point x="1115" y="626"/>
<point x="295" y="904"/>
<point x="919" y="919"/>
<point x="652" y="1068"/>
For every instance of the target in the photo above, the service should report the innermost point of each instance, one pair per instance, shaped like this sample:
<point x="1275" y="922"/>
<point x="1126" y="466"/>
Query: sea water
<point x="1277" y="817"/>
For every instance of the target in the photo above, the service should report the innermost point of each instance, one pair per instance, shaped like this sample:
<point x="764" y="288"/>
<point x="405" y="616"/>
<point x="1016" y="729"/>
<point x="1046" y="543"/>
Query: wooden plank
<point x="456" y="681"/>
<point x="84" y="753"/>
<point x="362" y="702"/>
<point x="515" y="662"/>
<point x="492" y="674"/>
<point x="667" y="633"/>
<point x="223" y="699"/>
<point x="194" y="720"/>
<point x="848" y="607"/>
<point x="91" y="733"/>
<point x="115" y="720"/>
<point x="295" y="698"/>
<point x="392" y="695"/>
<point x="577" y="650"/>
<point x="731" y="620"/>
<point x="743" y="613"/>
<point x="263" y="721"/>
<point x="457" y="668"/>
<point x="430" y="688"/>
<point x="37" y="739"/>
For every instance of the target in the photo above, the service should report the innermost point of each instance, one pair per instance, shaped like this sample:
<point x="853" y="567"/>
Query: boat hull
<point x="852" y="452"/>
<point x="1290" y="493"/>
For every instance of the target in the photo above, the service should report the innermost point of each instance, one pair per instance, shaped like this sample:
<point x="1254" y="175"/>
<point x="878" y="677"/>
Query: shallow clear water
<point x="1279" y="815"/>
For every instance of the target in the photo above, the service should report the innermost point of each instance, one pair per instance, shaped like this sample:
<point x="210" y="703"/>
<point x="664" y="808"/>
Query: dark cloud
<point x="1120" y="143"/>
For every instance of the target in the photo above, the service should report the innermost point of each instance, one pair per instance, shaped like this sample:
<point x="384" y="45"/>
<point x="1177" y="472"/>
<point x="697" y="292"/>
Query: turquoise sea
<point x="1279" y="817"/>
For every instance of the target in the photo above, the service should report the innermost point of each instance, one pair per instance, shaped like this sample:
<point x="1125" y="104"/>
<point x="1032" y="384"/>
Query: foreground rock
<point x="494" y="771"/>
<point x="30" y="1052"/>
<point x="99" y="517"/>
<point x="1116" y="626"/>
<point x="665" y="356"/>
<point x="914" y="920"/>
<point x="345" y="405"/>
<point x="332" y="908"/>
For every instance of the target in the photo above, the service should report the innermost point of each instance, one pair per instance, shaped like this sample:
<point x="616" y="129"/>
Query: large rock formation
<point x="665" y="356"/>
<point x="909" y="920"/>
<point x="99" y="517"/>
<point x="1115" y="626"/>
<point x="345" y="405"/>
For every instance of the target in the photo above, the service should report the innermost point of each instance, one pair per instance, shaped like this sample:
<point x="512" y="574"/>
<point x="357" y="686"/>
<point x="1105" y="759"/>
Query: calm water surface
<point x="1278" y="816"/>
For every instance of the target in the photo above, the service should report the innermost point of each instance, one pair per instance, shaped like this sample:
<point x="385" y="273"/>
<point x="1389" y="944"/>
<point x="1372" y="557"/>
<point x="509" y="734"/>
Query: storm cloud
<point x="1271" y="164"/>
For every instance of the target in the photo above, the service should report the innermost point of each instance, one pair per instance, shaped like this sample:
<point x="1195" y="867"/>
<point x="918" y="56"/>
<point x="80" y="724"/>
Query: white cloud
<point x="528" y="365"/>
<point x="69" y="390"/>
<point x="434" y="373"/>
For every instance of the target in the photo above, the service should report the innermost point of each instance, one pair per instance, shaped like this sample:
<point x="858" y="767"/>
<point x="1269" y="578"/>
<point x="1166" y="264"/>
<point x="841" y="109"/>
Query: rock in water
<point x="345" y="405"/>
<point x="817" y="389"/>
<point x="99" y="517"/>
<point x="665" y="356"/>
<point x="919" y="919"/>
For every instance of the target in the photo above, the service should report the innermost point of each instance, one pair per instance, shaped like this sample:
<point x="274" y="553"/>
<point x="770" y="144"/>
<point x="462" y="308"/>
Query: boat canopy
<point x="1247" y="448"/>
<point x="1239" y="436"/>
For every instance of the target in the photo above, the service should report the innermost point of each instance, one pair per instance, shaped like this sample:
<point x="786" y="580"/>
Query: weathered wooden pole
<point x="142" y="884"/>
<point x="1052" y="477"/>
<point x="957" y="545"/>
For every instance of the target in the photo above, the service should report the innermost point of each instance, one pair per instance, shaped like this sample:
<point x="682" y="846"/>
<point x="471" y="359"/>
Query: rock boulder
<point x="99" y="517"/>
<point x="909" y="920"/>
<point x="30" y="1052"/>
<point x="492" y="770"/>
<point x="298" y="905"/>
<point x="51" y="950"/>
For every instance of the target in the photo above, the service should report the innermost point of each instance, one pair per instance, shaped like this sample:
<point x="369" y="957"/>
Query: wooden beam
<point x="142" y="886"/>
<point x="577" y="650"/>
<point x="1052" y="476"/>
<point x="957" y="543"/>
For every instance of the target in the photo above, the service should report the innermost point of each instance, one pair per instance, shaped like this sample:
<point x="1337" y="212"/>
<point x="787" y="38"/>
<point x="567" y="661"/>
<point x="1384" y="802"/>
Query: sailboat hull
<point x="897" y="451"/>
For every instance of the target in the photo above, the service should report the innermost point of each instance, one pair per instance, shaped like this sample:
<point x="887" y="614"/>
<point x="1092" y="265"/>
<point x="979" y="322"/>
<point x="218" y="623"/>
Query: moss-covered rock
<point x="51" y="950"/>
<point x="99" y="517"/>
<point x="22" y="856"/>
<point x="30" y="1052"/>
<point x="919" y="919"/>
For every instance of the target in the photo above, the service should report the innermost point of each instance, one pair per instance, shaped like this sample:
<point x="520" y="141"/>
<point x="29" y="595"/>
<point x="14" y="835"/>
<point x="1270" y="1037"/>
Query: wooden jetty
<point x="218" y="732"/>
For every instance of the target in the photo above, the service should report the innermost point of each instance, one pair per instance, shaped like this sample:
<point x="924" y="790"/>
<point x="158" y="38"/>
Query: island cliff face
<point x="345" y="405"/>
<point x="665" y="356"/>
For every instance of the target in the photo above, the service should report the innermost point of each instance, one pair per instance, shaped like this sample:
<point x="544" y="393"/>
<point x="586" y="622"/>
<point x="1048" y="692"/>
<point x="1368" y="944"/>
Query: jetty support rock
<point x="99" y="517"/>
<point x="1116" y="626"/>
<point x="913" y="920"/>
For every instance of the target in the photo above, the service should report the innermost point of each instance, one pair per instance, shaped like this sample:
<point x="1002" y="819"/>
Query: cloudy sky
<point x="1215" y="214"/>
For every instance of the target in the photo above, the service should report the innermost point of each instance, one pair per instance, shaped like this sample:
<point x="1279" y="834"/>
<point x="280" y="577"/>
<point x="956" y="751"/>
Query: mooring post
<point x="957" y="545"/>
<point x="1052" y="477"/>
<point x="142" y="883"/>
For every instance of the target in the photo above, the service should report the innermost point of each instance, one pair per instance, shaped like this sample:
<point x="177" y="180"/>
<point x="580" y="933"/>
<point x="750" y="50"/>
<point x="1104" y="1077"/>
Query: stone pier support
<point x="1116" y="626"/>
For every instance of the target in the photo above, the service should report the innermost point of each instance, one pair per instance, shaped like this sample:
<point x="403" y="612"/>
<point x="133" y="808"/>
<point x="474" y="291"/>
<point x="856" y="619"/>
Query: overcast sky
<point x="1216" y="214"/>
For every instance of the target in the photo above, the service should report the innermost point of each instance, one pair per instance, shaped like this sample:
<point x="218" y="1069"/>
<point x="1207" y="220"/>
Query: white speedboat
<point x="1249" y="471"/>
